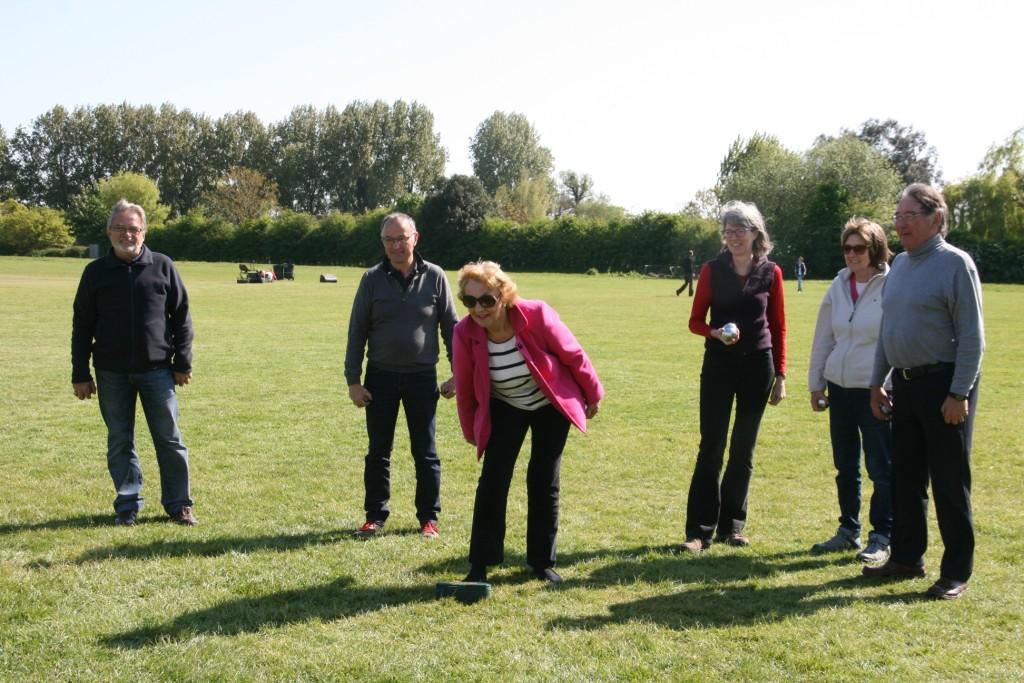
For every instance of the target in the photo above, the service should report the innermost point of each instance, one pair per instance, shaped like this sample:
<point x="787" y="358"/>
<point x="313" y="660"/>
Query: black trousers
<point x="417" y="393"/>
<point x="549" y="430"/>
<point x="747" y="379"/>
<point x="925" y="449"/>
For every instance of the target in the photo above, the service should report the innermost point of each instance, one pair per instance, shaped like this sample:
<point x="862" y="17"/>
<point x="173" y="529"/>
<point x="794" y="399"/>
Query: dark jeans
<point x="118" y="393"/>
<point x="418" y="394"/>
<point x="549" y="430"/>
<point x="748" y="379"/>
<point x="852" y="426"/>
<point x="926" y="448"/>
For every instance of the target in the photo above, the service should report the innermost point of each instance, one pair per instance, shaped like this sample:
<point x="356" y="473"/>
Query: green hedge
<point x="555" y="245"/>
<point x="1001" y="261"/>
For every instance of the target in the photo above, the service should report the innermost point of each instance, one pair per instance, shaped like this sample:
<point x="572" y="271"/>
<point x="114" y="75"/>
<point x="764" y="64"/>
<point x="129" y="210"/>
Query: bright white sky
<point x="645" y="96"/>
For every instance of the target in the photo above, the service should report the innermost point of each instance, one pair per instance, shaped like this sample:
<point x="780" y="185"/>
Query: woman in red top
<point x="739" y="286"/>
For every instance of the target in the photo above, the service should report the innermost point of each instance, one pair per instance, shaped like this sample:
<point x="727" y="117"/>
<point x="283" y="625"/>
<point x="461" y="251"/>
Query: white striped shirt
<point x="511" y="380"/>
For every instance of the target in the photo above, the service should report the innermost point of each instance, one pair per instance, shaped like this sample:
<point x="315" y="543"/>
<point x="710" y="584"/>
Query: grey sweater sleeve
<point x="969" y="326"/>
<point x="358" y="330"/>
<point x="447" y="317"/>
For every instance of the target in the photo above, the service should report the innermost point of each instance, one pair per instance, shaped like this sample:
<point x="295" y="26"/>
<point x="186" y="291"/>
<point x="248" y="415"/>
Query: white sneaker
<point x="875" y="553"/>
<point x="838" y="543"/>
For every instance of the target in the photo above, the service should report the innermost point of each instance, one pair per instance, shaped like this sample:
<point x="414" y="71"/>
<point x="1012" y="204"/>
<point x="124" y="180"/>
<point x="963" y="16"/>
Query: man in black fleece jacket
<point x="131" y="316"/>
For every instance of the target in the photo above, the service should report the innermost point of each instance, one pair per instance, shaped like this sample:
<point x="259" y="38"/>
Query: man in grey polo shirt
<point x="933" y="337"/>
<point x="400" y="306"/>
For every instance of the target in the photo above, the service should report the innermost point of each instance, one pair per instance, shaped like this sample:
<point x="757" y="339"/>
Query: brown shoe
<point x="735" y="539"/>
<point x="947" y="589"/>
<point x="694" y="545"/>
<point x="185" y="517"/>
<point x="893" y="570"/>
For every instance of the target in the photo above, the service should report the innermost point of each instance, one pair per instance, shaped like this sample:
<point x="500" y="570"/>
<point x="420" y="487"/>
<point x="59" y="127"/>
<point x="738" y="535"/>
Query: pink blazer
<point x="556" y="360"/>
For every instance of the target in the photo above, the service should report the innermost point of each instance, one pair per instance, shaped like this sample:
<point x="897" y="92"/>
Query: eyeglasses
<point x="855" y="248"/>
<point x="486" y="301"/>
<point x="735" y="232"/>
<point x="908" y="216"/>
<point x="393" y="241"/>
<point x="122" y="230"/>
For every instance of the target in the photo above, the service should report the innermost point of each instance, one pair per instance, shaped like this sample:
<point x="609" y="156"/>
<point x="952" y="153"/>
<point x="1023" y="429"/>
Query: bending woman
<point x="517" y="368"/>
<point x="740" y="286"/>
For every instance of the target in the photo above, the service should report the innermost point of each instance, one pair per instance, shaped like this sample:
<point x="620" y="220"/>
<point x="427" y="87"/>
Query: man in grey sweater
<point x="933" y="337"/>
<point x="400" y="306"/>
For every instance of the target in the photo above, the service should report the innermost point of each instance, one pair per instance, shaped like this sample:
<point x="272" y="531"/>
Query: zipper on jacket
<point x="131" y="315"/>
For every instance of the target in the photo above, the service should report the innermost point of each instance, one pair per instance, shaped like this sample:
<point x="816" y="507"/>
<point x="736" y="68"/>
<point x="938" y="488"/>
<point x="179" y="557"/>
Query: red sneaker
<point x="371" y="528"/>
<point x="429" y="530"/>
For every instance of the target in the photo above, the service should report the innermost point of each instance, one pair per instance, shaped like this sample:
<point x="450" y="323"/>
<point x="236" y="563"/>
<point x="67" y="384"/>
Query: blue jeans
<point x="417" y="392"/>
<point x="852" y="426"/>
<point x="117" y="397"/>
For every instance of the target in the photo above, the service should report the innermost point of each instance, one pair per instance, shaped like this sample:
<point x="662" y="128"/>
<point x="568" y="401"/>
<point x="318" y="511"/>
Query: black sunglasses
<point x="487" y="301"/>
<point x="855" y="248"/>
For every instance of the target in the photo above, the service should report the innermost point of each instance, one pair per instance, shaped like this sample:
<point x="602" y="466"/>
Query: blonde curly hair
<point x="490" y="275"/>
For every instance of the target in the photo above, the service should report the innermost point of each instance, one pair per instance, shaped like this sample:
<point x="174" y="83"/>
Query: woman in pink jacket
<point x="517" y="368"/>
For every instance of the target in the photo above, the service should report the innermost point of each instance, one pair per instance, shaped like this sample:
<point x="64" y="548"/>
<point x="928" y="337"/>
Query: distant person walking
<point x="401" y="305"/>
<point x="842" y="358"/>
<point x="131" y="316"/>
<point x="801" y="273"/>
<point x="688" y="266"/>
<point x="741" y="286"/>
<point x="932" y="337"/>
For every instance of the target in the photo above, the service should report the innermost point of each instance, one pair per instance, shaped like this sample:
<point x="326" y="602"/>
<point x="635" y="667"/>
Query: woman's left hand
<point x="592" y="409"/>
<point x="778" y="391"/>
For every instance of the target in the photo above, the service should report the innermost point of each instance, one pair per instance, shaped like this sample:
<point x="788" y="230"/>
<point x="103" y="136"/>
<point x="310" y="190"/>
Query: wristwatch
<point x="958" y="397"/>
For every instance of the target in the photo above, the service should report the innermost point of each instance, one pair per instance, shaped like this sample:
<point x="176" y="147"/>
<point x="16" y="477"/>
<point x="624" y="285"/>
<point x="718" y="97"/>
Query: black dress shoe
<point x="894" y="570"/>
<point x="947" y="589"/>
<point x="549" y="575"/>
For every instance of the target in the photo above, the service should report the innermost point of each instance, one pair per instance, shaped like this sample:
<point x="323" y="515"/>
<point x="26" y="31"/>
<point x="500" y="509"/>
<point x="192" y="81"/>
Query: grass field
<point x="273" y="587"/>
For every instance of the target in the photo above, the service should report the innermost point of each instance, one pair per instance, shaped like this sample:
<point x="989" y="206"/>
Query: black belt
<point x="911" y="373"/>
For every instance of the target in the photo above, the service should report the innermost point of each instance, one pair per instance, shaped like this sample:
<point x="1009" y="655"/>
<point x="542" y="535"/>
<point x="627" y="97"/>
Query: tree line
<point x="231" y="188"/>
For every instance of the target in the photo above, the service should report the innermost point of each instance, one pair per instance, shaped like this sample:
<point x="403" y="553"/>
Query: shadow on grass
<point x="336" y="600"/>
<point x="221" y="546"/>
<point x="79" y="522"/>
<point x="653" y="564"/>
<point x="714" y="606"/>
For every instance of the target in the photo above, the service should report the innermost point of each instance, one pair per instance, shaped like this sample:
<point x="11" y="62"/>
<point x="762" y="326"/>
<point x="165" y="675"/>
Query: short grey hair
<point x="930" y="199"/>
<point x="125" y="206"/>
<point x="397" y="216"/>
<point x="748" y="215"/>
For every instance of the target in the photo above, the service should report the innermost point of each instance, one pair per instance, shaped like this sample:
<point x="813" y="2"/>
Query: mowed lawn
<point x="272" y="586"/>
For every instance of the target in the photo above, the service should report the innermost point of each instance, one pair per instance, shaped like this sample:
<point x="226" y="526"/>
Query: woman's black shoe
<point x="477" y="574"/>
<point x="548" y="574"/>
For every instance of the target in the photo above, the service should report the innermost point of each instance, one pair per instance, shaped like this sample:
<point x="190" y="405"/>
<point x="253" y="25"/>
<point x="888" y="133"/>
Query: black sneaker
<point x="126" y="518"/>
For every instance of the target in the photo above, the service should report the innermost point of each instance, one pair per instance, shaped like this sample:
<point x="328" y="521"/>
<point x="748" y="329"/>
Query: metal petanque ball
<point x="730" y="332"/>
<point x="822" y="403"/>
